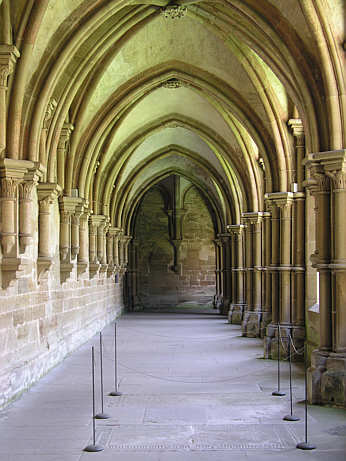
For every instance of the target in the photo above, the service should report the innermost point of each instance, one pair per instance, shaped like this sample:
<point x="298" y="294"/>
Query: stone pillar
<point x="26" y="230"/>
<point x="238" y="292"/>
<point x="70" y="211"/>
<point x="217" y="274"/>
<point x="8" y="57"/>
<point x="220" y="273"/>
<point x="75" y="224"/>
<point x="267" y="284"/>
<point x="327" y="375"/>
<point x="83" y="255"/>
<point x="48" y="194"/>
<point x="133" y="300"/>
<point x="298" y="238"/>
<point x="225" y="248"/>
<point x="273" y="271"/>
<point x="102" y="230"/>
<point x="116" y="231"/>
<point x="254" y="271"/>
<point x="109" y="252"/>
<point x="62" y="148"/>
<point x="281" y="267"/>
<point x="94" y="264"/>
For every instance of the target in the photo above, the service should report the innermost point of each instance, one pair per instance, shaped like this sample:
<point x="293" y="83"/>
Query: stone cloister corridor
<point x="164" y="153"/>
<point x="219" y="409"/>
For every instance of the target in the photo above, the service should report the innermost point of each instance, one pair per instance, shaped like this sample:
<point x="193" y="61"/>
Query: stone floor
<point x="193" y="390"/>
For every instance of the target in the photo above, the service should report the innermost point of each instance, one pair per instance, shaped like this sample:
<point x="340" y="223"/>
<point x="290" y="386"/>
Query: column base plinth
<point x="271" y="342"/>
<point x="224" y="306"/>
<point x="236" y="313"/>
<point x="251" y="324"/>
<point x="327" y="378"/>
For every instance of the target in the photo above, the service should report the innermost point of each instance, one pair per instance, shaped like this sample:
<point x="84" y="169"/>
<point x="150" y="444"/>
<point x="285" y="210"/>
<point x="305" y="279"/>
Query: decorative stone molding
<point x="51" y="107"/>
<point x="173" y="11"/>
<point x="174" y="83"/>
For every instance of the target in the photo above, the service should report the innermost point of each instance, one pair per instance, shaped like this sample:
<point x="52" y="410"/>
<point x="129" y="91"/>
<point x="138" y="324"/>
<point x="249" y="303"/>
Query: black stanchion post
<point x="93" y="447"/>
<point x="116" y="392"/>
<point x="306" y="445"/>
<point x="101" y="415"/>
<point x="278" y="392"/>
<point x="291" y="416"/>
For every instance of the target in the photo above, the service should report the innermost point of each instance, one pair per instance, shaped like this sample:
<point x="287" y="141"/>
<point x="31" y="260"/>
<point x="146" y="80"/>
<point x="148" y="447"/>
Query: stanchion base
<point x="279" y="393"/>
<point x="291" y="418"/>
<point x="93" y="448"/>
<point x="102" y="416"/>
<point x="305" y="446"/>
<point x="115" y="393"/>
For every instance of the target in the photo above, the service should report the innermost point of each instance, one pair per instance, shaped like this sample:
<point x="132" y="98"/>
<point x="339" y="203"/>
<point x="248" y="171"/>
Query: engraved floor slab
<point x="196" y="437"/>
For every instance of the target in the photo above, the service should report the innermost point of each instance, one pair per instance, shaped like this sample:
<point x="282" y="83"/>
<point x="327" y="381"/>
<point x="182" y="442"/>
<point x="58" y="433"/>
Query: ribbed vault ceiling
<point x="207" y="96"/>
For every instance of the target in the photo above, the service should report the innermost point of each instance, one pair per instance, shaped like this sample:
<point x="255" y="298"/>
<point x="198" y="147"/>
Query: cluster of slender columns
<point x="86" y="242"/>
<point x="327" y="183"/>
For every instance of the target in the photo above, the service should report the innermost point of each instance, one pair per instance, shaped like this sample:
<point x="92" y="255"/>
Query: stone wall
<point x="170" y="273"/>
<point x="46" y="314"/>
<point x="41" y="325"/>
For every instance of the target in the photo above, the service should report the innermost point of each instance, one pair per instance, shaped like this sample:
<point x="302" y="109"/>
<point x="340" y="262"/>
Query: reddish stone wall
<point x="159" y="282"/>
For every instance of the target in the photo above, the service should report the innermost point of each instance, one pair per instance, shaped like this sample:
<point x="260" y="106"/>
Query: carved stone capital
<point x="297" y="128"/>
<point x="8" y="58"/>
<point x="236" y="229"/>
<point x="279" y="200"/>
<point x="224" y="239"/>
<point x="48" y="191"/>
<point x="255" y="217"/>
<point x="65" y="135"/>
<point x="9" y="187"/>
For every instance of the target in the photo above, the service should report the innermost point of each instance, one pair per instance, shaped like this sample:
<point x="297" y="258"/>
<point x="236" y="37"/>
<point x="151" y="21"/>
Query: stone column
<point x="75" y="224"/>
<point x="101" y="242"/>
<point x="48" y="194"/>
<point x="67" y="208"/>
<point x="8" y="57"/>
<point x="281" y="267"/>
<point x="217" y="274"/>
<point x="225" y="248"/>
<point x="94" y="264"/>
<point x="254" y="270"/>
<point x="238" y="299"/>
<point x="220" y="273"/>
<point x="273" y="271"/>
<point x="83" y="255"/>
<point x="26" y="230"/>
<point x="299" y="270"/>
<point x="115" y="231"/>
<point x="133" y="300"/>
<point x="267" y="291"/>
<point x="327" y="375"/>
<point x="248" y="272"/>
<point x="62" y="148"/>
<point x="109" y="252"/>
<point x="13" y="218"/>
